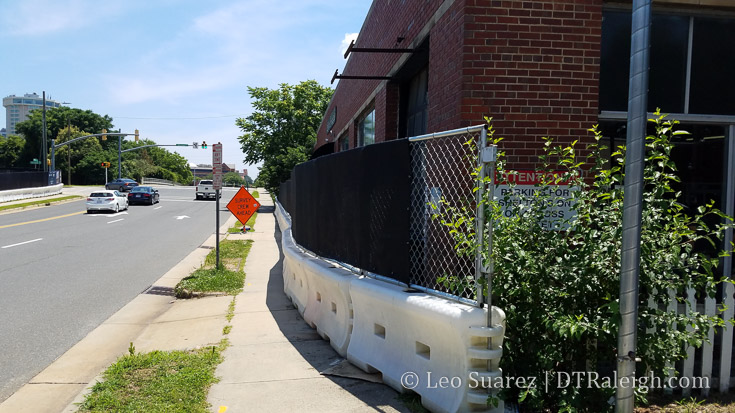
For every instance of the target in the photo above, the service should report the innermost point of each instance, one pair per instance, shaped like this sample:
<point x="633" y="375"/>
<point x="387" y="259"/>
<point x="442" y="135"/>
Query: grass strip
<point x="159" y="381"/>
<point x="39" y="202"/>
<point x="227" y="278"/>
<point x="237" y="228"/>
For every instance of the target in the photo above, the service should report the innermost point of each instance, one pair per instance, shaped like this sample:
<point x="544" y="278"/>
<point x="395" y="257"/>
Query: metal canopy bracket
<point x="352" y="49"/>
<point x="338" y="76"/>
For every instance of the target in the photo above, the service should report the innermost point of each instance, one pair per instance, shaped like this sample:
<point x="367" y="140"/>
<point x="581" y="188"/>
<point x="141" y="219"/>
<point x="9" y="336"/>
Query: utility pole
<point x="43" y="134"/>
<point x="68" y="152"/>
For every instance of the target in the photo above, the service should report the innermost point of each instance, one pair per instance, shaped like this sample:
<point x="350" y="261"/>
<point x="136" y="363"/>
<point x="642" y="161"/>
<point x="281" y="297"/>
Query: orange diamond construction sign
<point x="243" y="205"/>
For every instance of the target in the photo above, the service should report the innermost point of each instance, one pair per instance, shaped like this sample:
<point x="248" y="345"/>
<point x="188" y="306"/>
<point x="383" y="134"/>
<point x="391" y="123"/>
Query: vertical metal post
<point x="53" y="155"/>
<point x="632" y="204"/>
<point x="43" y="134"/>
<point x="480" y="218"/>
<point x="119" y="157"/>
<point x="727" y="288"/>
<point x="216" y="230"/>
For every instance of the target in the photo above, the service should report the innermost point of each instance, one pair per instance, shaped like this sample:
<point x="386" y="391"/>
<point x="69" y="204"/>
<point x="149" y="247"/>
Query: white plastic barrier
<point x="329" y="307"/>
<point x="437" y="348"/>
<point x="25" y="193"/>
<point x="295" y="282"/>
<point x="320" y="292"/>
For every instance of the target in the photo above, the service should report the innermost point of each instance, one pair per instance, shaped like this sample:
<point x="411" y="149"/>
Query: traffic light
<point x="204" y="145"/>
<point x="136" y="135"/>
<point x="107" y="164"/>
<point x="195" y="145"/>
<point x="104" y="137"/>
<point x="48" y="162"/>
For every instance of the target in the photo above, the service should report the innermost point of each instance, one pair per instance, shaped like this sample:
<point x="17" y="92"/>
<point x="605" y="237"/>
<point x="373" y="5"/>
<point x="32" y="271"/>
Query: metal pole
<point x="216" y="231"/>
<point x="53" y="155"/>
<point x="480" y="219"/>
<point x="43" y="133"/>
<point x="632" y="205"/>
<point x="119" y="157"/>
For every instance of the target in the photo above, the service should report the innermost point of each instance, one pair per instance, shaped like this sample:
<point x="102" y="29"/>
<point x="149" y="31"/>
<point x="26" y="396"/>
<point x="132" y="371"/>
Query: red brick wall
<point x="386" y="21"/>
<point x="533" y="66"/>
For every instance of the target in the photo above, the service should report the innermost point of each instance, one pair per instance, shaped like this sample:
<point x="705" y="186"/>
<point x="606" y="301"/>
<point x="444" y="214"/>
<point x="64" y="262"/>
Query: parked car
<point x="121" y="184"/>
<point x="143" y="195"/>
<point x="108" y="200"/>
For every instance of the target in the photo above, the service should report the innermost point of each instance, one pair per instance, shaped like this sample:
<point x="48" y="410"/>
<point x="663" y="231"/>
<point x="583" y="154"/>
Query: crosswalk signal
<point x="136" y="135"/>
<point x="204" y="145"/>
<point x="104" y="137"/>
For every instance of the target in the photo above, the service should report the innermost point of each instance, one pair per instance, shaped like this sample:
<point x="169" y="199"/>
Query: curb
<point x="164" y="281"/>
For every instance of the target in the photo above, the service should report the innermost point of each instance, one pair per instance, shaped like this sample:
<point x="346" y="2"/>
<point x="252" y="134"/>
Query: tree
<point x="10" y="150"/>
<point x="281" y="131"/>
<point x="57" y="119"/>
<point x="233" y="179"/>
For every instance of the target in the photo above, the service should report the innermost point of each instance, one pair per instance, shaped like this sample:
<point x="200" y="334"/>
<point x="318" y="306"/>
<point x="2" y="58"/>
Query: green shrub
<point x="560" y="288"/>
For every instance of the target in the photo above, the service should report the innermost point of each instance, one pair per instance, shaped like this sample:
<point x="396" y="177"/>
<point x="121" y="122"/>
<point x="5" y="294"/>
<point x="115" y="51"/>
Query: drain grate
<point x="158" y="290"/>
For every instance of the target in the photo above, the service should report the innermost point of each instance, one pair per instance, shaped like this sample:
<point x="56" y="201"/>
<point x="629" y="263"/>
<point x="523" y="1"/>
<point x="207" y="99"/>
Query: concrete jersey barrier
<point x="27" y="193"/>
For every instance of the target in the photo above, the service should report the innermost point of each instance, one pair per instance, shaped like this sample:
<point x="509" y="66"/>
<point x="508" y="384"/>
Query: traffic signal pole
<point x="119" y="155"/>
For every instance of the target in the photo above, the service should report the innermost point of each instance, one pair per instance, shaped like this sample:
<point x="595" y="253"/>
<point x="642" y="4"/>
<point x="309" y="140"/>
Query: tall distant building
<point x="18" y="108"/>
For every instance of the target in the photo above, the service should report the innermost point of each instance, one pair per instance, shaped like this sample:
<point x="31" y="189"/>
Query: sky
<point x="177" y="70"/>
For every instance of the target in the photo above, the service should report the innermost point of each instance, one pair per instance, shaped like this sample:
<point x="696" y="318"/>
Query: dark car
<point x="143" y="195"/>
<point x="123" y="184"/>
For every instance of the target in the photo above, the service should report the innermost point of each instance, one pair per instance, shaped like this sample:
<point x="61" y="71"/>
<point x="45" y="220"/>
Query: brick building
<point x="546" y="68"/>
<point x="538" y="68"/>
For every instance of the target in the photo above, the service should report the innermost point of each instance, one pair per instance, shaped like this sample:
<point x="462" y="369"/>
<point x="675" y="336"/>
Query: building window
<point x="690" y="63"/>
<point x="343" y="143"/>
<point x="366" y="130"/>
<point x="418" y="104"/>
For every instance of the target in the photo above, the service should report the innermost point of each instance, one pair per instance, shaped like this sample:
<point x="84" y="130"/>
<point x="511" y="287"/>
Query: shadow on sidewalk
<point x="317" y="351"/>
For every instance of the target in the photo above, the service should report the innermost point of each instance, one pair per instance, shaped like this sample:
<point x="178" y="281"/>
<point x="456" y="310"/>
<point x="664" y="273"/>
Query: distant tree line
<point x="80" y="161"/>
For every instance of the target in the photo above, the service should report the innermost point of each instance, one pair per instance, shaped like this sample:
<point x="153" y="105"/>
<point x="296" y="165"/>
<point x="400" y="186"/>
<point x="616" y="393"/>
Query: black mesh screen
<point x="352" y="206"/>
<point x="23" y="179"/>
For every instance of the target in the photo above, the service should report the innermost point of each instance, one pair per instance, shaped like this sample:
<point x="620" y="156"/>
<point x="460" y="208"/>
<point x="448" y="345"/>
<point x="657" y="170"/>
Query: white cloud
<point x="41" y="17"/>
<point x="349" y="37"/>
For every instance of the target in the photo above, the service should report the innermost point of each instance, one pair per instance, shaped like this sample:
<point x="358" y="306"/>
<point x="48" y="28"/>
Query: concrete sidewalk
<point x="275" y="362"/>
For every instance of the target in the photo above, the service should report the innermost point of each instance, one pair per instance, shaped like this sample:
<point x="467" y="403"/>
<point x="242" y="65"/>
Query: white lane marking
<point x="117" y="220"/>
<point x="158" y="207"/>
<point x="182" y="217"/>
<point x="21" y="243"/>
<point x="113" y="215"/>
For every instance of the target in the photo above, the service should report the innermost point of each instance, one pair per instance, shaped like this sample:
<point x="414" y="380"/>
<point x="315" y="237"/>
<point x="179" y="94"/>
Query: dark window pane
<point x="667" y="78"/>
<point x="713" y="59"/>
<point x="615" y="61"/>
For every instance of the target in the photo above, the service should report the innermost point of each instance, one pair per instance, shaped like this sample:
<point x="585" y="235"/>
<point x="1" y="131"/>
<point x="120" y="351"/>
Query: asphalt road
<point x="63" y="272"/>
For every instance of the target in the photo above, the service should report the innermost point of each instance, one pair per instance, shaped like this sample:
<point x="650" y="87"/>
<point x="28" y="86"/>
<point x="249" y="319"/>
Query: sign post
<point x="217" y="184"/>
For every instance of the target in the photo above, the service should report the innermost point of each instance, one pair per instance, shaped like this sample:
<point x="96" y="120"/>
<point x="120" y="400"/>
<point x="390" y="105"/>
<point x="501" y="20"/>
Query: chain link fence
<point x="443" y="181"/>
